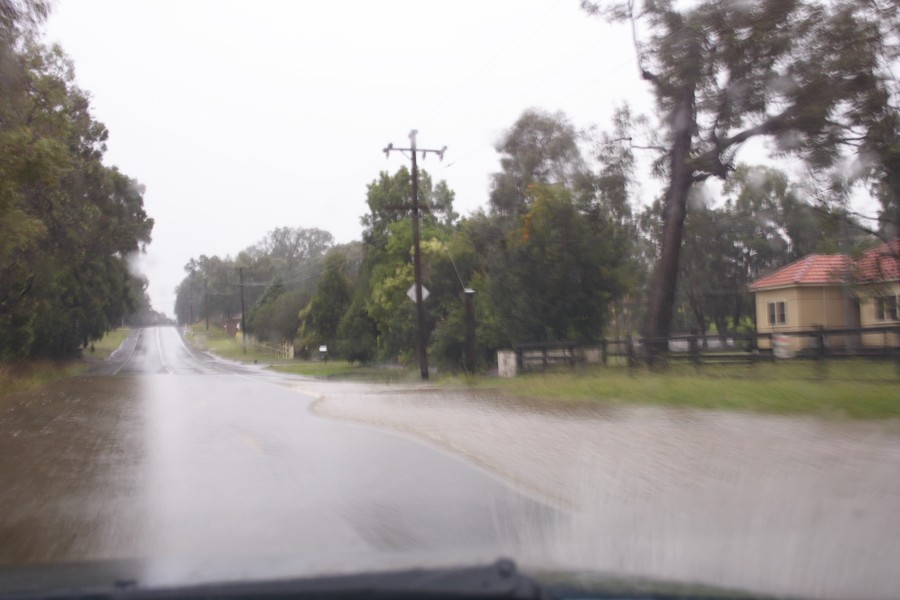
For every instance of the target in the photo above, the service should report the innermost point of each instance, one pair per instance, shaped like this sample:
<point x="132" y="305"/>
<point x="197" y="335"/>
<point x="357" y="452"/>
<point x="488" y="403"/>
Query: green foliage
<point x="320" y="319"/>
<point x="291" y="255"/>
<point x="357" y="334"/>
<point x="762" y="225"/>
<point x="387" y="271"/>
<point x="816" y="78"/>
<point x="68" y="223"/>
<point x="563" y="269"/>
<point x="539" y="148"/>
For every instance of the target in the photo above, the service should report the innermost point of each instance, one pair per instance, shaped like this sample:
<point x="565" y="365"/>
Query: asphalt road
<point x="170" y="457"/>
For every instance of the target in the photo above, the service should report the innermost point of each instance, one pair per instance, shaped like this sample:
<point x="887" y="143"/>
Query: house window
<point x="886" y="308"/>
<point x="777" y="314"/>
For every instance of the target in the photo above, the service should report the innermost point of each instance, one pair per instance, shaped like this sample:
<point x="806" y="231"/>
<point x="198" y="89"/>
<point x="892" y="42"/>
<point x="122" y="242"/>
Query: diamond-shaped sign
<point x="411" y="292"/>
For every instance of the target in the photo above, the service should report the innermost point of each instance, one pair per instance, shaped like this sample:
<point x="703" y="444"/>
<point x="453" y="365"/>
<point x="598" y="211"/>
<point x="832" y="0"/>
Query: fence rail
<point x="720" y="348"/>
<point x="284" y="350"/>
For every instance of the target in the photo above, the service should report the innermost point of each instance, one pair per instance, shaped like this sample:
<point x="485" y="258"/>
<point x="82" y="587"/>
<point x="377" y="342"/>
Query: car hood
<point x="331" y="578"/>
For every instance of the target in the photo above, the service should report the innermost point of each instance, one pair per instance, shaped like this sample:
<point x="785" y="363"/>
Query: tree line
<point x="560" y="252"/>
<point x="564" y="250"/>
<point x="69" y="224"/>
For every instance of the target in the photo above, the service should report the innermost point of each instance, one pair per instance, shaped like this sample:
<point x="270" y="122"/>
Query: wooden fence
<point x="718" y="349"/>
<point x="284" y="350"/>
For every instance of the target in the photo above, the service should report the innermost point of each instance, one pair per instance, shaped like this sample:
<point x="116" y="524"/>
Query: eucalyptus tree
<point x="68" y="223"/>
<point x="814" y="77"/>
<point x="539" y="148"/>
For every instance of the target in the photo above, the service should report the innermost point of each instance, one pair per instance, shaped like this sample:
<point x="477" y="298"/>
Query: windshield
<point x="606" y="288"/>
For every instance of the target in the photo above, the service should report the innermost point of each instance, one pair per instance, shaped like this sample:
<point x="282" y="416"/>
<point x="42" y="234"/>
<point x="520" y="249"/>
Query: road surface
<point x="176" y="460"/>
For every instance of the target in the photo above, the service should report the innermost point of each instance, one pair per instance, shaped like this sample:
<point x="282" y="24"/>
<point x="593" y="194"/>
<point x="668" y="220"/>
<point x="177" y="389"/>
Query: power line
<point x="446" y="246"/>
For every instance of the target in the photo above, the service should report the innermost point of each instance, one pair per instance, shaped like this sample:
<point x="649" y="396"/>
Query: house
<point x="878" y="277"/>
<point x="832" y="291"/>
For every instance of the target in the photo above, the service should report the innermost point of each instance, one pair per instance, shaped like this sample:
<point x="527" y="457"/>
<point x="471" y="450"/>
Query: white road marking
<point x="159" y="348"/>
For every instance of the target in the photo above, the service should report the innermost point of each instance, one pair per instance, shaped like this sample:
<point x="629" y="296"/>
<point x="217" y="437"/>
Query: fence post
<point x="896" y="351"/>
<point x="821" y="366"/>
<point x="752" y="349"/>
<point x="603" y="352"/>
<point x="694" y="348"/>
<point x="629" y="350"/>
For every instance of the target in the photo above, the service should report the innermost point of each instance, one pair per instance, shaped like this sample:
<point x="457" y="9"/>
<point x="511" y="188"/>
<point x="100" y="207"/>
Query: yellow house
<point x="831" y="292"/>
<point x="878" y="273"/>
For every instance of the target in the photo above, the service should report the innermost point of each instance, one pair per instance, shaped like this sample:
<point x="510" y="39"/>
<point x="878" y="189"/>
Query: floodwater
<point x="170" y="466"/>
<point x="190" y="466"/>
<point x="781" y="505"/>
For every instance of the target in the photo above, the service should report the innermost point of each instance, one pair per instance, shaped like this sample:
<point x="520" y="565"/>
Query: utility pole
<point x="417" y="259"/>
<point x="240" y="271"/>
<point x="206" y="301"/>
<point x="470" y="331"/>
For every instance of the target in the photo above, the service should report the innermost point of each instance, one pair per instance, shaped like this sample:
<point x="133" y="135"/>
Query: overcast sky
<point x="240" y="117"/>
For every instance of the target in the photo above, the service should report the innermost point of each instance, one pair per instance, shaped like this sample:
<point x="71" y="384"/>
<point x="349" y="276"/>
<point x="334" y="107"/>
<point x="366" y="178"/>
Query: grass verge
<point x="232" y="348"/>
<point x="339" y="369"/>
<point x="25" y="375"/>
<point x="774" y="389"/>
<point x="219" y="343"/>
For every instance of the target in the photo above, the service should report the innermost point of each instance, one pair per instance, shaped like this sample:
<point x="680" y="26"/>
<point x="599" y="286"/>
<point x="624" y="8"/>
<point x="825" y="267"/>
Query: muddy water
<point x="782" y="505"/>
<point x="68" y="461"/>
<point x="190" y="469"/>
<point x="203" y="470"/>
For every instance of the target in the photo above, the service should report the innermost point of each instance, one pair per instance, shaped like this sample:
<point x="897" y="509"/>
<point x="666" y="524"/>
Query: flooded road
<point x="174" y="458"/>
<point x="172" y="466"/>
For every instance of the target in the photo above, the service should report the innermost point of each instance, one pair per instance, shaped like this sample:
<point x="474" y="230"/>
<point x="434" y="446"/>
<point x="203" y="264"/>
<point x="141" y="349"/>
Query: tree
<point x="291" y="247"/>
<point x="558" y="272"/>
<point x="68" y="223"/>
<point x="810" y="76"/>
<point x="762" y="224"/>
<point x="320" y="320"/>
<point x="387" y="268"/>
<point x="540" y="148"/>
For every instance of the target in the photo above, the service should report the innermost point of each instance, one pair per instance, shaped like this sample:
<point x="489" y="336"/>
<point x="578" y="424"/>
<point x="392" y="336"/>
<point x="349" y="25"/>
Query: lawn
<point x="860" y="389"/>
<point x="106" y="346"/>
<point x="856" y="389"/>
<point x="222" y="345"/>
<point x="219" y="343"/>
<point x="340" y="369"/>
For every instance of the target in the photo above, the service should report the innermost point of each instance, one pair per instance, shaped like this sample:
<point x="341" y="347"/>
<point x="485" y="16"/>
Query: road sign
<point x="411" y="292"/>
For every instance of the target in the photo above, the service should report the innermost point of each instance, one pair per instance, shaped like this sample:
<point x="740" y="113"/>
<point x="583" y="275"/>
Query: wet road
<point x="168" y="456"/>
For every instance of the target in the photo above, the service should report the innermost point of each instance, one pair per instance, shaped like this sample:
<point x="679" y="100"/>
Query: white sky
<point x="240" y="117"/>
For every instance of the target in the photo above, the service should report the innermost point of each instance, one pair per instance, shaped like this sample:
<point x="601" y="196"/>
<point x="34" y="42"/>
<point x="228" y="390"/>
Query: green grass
<point x="339" y="369"/>
<point x="30" y="374"/>
<point x="217" y="342"/>
<point x="778" y="389"/>
<point x="26" y="375"/>
<point x="106" y="346"/>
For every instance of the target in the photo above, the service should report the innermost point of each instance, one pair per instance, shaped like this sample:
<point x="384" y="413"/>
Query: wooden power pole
<point x="243" y="322"/>
<point x="206" y="302"/>
<point x="417" y="259"/>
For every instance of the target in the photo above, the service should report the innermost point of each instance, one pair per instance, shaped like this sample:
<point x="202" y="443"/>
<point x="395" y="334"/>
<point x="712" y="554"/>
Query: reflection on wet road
<point x="171" y="454"/>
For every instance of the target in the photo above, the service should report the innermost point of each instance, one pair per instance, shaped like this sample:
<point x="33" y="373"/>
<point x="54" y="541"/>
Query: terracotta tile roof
<point x="882" y="263"/>
<point x="879" y="264"/>
<point x="811" y="269"/>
